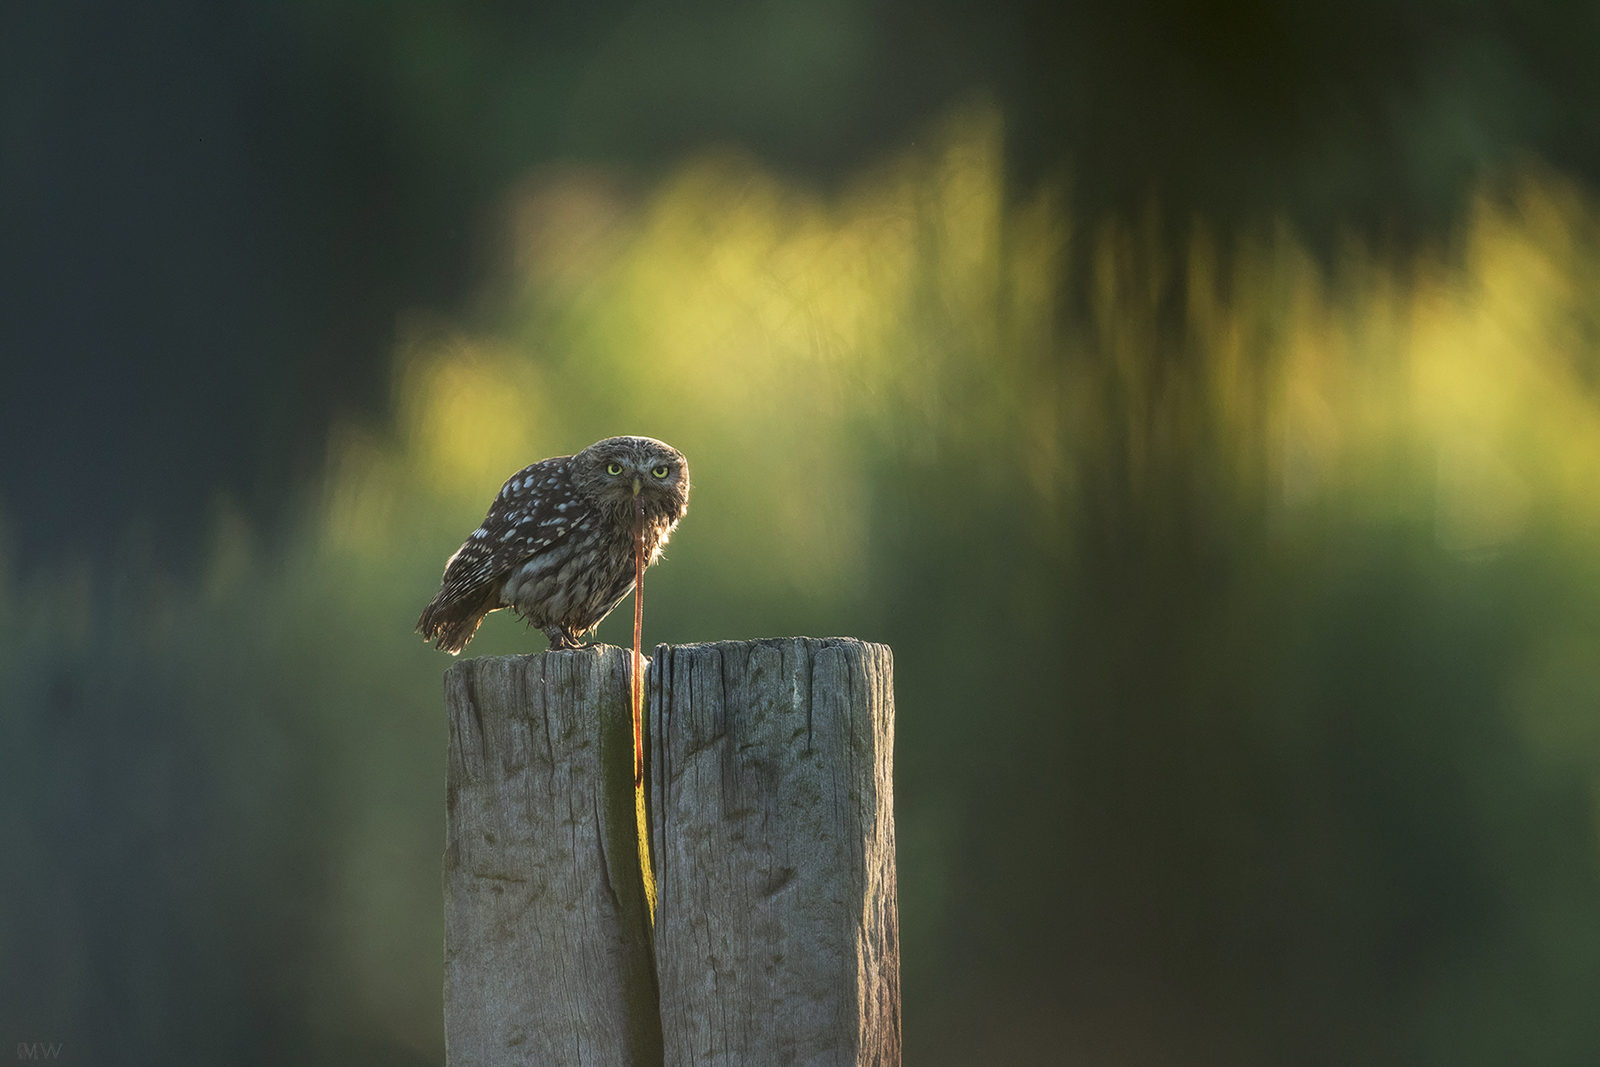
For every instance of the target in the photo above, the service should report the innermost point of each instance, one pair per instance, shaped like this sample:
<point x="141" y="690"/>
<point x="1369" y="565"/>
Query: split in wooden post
<point x="772" y="809"/>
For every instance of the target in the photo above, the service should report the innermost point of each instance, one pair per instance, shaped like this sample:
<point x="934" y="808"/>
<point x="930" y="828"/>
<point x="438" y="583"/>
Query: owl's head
<point x="620" y="470"/>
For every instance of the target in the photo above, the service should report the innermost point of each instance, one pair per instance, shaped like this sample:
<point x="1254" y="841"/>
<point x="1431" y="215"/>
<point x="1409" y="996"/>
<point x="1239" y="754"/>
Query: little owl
<point x="557" y="544"/>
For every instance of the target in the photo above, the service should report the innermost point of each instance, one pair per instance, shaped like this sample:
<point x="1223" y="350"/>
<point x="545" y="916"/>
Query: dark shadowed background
<point x="1203" y="400"/>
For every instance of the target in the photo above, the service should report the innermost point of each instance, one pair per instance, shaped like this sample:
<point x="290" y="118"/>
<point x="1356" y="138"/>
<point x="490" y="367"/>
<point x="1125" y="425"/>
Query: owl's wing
<point x="534" y="510"/>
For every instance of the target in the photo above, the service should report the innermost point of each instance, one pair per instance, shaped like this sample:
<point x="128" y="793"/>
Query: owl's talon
<point x="564" y="640"/>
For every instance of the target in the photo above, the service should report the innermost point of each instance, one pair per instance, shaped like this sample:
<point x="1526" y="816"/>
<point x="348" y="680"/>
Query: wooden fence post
<point x="772" y="818"/>
<point x="547" y="938"/>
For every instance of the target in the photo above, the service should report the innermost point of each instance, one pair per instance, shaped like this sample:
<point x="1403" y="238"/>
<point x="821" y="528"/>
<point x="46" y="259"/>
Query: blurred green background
<point x="1202" y="399"/>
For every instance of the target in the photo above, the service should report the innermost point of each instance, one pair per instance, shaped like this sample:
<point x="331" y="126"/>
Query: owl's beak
<point x="635" y="486"/>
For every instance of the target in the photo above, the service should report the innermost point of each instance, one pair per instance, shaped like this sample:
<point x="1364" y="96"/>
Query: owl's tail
<point x="450" y="622"/>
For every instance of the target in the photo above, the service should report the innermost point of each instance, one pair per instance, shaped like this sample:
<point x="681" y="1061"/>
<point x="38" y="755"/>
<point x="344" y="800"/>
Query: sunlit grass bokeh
<point x="1245" y="603"/>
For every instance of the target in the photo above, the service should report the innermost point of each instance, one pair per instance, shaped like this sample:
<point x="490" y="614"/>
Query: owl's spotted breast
<point x="557" y="543"/>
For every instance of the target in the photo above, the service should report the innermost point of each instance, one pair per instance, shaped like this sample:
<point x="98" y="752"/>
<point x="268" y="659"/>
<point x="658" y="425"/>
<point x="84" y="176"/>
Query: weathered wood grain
<point x="772" y="818"/>
<point x="547" y="940"/>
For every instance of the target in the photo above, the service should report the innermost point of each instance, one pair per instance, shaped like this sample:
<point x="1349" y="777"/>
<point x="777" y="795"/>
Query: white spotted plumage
<point x="525" y="555"/>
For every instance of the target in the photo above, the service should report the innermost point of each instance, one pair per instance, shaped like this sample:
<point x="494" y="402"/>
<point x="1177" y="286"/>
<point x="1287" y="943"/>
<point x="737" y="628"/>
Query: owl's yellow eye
<point x="615" y="468"/>
<point x="661" y="471"/>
